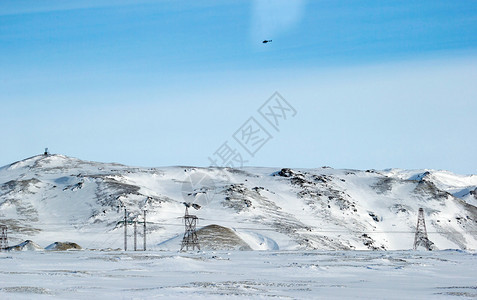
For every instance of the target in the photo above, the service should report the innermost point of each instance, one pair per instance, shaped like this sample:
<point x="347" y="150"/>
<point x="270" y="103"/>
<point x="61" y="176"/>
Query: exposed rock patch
<point x="27" y="245"/>
<point x="215" y="237"/>
<point x="63" y="246"/>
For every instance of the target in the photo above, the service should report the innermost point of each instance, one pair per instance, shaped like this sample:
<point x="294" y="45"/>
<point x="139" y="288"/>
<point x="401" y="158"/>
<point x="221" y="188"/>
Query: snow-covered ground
<point x="238" y="274"/>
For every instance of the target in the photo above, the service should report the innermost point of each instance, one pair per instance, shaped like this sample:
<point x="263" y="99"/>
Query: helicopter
<point x="267" y="41"/>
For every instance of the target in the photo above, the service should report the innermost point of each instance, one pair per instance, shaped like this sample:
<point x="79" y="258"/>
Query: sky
<point x="366" y="84"/>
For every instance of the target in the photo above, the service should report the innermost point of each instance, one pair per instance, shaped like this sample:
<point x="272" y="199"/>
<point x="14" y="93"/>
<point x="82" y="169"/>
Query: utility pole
<point x="125" y="230"/>
<point x="421" y="239"/>
<point x="3" y="238"/>
<point x="135" y="235"/>
<point x="144" y="230"/>
<point x="125" y="222"/>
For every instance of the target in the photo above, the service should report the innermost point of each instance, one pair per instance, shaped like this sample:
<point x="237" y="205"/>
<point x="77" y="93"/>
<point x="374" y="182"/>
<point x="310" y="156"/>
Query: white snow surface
<point x="238" y="275"/>
<point x="55" y="197"/>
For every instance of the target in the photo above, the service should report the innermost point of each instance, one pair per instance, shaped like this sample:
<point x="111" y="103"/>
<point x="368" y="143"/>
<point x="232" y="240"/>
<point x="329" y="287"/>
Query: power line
<point x="271" y="229"/>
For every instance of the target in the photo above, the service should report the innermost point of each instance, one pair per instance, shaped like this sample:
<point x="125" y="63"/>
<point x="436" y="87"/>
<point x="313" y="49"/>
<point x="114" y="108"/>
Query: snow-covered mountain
<point x="47" y="198"/>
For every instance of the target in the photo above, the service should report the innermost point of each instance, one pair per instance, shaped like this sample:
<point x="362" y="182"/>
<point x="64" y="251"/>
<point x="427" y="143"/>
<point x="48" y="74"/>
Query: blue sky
<point x="154" y="83"/>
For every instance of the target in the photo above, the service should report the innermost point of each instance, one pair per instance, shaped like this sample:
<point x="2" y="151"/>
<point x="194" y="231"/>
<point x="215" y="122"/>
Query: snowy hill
<point x="55" y="197"/>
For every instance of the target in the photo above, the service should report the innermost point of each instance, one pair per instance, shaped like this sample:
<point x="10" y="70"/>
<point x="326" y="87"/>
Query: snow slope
<point x="55" y="197"/>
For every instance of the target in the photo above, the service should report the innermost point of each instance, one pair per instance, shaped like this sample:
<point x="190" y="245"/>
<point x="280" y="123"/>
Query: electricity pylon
<point x="3" y="238"/>
<point x="421" y="239"/>
<point x="190" y="239"/>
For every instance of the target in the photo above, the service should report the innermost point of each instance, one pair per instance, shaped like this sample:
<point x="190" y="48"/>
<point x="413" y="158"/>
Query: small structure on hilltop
<point x="46" y="153"/>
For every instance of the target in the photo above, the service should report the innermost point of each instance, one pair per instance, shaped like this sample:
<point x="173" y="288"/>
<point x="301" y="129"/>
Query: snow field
<point x="238" y="274"/>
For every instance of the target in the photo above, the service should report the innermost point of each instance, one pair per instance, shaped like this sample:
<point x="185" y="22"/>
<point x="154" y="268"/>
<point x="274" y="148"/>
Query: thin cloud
<point x="270" y="18"/>
<point x="20" y="7"/>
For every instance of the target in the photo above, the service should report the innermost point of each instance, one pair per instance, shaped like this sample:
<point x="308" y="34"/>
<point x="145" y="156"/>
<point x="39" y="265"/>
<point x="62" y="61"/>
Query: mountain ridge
<point x="56" y="197"/>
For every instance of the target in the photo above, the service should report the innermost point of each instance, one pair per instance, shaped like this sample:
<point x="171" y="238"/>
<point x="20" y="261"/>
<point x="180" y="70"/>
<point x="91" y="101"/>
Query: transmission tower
<point x="3" y="238"/>
<point x="190" y="239"/>
<point x="421" y="238"/>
